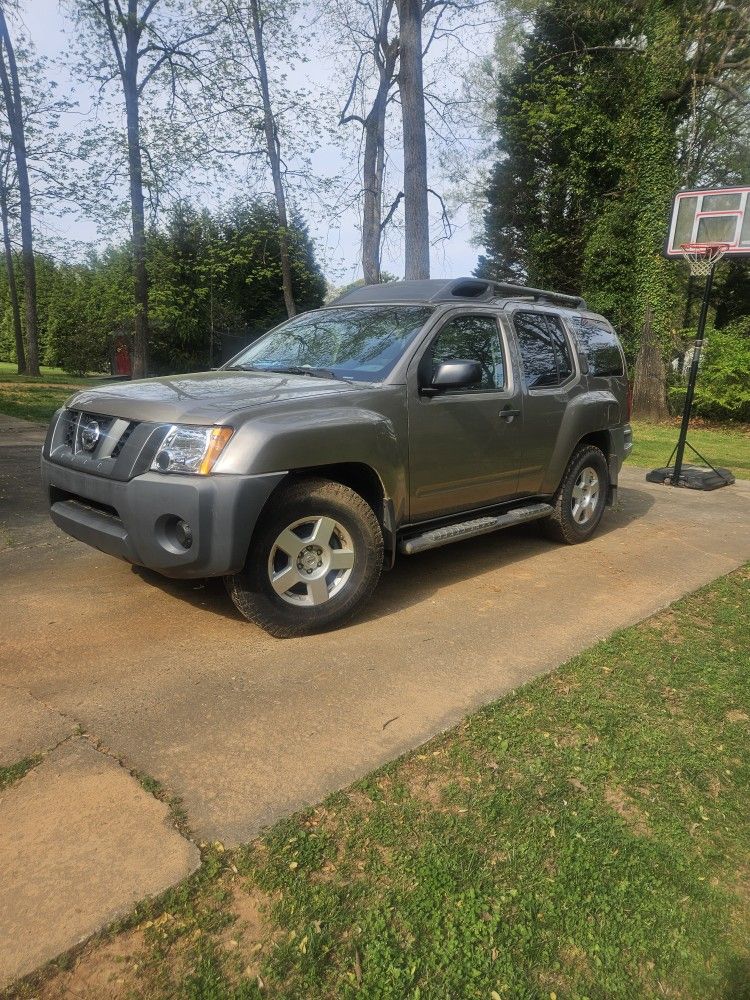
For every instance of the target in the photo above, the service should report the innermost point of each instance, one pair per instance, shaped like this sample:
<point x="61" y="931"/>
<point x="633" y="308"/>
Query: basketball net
<point x="701" y="257"/>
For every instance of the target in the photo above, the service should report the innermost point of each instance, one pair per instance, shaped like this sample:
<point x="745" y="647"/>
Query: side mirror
<point x="454" y="375"/>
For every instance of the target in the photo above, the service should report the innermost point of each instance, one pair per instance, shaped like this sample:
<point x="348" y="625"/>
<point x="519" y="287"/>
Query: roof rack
<point x="442" y="290"/>
<point x="481" y="288"/>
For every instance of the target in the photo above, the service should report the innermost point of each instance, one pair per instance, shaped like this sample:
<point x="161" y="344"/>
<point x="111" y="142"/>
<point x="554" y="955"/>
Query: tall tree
<point x="145" y="45"/>
<point x="273" y="151"/>
<point x="11" y="89"/>
<point x="264" y="124"/>
<point x="6" y="190"/>
<point x="591" y="121"/>
<point x="411" y="89"/>
<point x="378" y="49"/>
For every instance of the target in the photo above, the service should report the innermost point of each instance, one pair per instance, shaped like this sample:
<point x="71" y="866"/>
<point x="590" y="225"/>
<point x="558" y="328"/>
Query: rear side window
<point x="600" y="345"/>
<point x="544" y="349"/>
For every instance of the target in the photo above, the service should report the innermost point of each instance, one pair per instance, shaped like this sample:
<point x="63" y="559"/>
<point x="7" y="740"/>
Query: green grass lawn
<point x="35" y="398"/>
<point x="727" y="445"/>
<point x="587" y="836"/>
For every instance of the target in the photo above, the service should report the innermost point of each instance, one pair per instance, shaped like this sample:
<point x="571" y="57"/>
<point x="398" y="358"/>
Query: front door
<point x="464" y="443"/>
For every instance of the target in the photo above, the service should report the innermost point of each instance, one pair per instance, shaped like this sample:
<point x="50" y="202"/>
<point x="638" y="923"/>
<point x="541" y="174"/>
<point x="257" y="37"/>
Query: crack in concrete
<point x="173" y="802"/>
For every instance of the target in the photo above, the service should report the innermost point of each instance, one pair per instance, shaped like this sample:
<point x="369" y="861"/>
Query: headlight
<point x="191" y="449"/>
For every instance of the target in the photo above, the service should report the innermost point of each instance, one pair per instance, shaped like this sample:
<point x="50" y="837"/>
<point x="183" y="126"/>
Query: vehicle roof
<point x="441" y="290"/>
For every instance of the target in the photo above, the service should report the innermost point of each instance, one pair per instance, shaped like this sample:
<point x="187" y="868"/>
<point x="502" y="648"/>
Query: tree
<point x="11" y="89"/>
<point x="596" y="122"/>
<point x="6" y="188"/>
<point x="247" y="100"/>
<point x="209" y="273"/>
<point x="141" y="44"/>
<point x="411" y="89"/>
<point x="377" y="58"/>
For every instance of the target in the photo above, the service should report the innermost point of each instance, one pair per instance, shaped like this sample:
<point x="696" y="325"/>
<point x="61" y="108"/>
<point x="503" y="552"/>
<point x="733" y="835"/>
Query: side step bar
<point x="436" y="537"/>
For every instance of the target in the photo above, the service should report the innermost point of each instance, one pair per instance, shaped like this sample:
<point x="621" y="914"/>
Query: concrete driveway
<point x="165" y="677"/>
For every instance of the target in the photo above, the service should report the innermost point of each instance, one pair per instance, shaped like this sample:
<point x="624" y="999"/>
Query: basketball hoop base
<point x="692" y="477"/>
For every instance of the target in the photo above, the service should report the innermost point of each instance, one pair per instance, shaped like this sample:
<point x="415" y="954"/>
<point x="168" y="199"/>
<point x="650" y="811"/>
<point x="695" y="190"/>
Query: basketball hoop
<point x="703" y="256"/>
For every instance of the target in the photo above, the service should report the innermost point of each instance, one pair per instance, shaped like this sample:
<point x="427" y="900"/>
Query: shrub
<point x="723" y="388"/>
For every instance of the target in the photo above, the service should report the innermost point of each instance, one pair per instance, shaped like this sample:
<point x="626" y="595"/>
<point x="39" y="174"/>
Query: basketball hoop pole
<point x="693" y="376"/>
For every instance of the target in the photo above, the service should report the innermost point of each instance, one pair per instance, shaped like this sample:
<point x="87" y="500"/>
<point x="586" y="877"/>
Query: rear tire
<point x="581" y="497"/>
<point x="315" y="556"/>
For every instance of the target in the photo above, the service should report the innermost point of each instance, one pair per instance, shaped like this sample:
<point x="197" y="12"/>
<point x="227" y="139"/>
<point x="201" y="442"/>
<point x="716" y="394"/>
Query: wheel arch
<point x="602" y="439"/>
<point x="364" y="480"/>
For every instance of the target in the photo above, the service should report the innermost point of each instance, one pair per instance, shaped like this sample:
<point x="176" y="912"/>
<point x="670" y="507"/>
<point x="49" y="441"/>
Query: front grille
<point x="85" y="433"/>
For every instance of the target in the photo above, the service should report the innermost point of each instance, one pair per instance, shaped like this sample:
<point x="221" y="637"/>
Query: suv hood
<point x="204" y="397"/>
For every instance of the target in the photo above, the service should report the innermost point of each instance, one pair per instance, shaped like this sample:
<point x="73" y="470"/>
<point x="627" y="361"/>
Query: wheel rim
<point x="585" y="496"/>
<point x="311" y="561"/>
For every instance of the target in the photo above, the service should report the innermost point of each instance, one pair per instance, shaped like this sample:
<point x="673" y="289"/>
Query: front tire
<point x="581" y="497"/>
<point x="316" y="555"/>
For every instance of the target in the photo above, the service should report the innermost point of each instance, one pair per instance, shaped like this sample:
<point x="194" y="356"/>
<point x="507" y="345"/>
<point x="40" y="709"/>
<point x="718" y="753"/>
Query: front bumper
<point x="133" y="520"/>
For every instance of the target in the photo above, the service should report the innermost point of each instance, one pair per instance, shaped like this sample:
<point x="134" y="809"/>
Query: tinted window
<point x="599" y="344"/>
<point x="359" y="342"/>
<point x="544" y="349"/>
<point x="472" y="338"/>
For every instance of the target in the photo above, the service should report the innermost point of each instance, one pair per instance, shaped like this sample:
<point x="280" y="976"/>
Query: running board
<point x="436" y="537"/>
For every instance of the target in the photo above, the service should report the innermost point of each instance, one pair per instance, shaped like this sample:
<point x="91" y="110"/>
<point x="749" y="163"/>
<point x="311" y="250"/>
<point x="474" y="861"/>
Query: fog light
<point x="184" y="534"/>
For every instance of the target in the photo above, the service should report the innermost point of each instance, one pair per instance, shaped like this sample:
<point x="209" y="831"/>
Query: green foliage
<point x="208" y="273"/>
<point x="722" y="391"/>
<point x="591" y="116"/>
<point x="75" y="341"/>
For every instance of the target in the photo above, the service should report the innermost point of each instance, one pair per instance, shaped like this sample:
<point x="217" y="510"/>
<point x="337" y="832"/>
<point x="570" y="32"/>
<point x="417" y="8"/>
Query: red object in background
<point x="123" y="365"/>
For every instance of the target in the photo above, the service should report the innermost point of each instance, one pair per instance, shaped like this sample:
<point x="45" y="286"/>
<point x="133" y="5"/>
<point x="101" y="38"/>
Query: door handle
<point x="507" y="413"/>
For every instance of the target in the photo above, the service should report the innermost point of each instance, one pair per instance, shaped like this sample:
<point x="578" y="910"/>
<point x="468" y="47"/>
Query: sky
<point x="338" y="241"/>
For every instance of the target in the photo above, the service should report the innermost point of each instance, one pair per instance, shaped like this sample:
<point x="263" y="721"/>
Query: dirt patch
<point x="245" y="938"/>
<point x="141" y="961"/>
<point x="736" y="715"/>
<point x="666" y="626"/>
<point x="103" y="971"/>
<point x="617" y="799"/>
<point x="433" y="789"/>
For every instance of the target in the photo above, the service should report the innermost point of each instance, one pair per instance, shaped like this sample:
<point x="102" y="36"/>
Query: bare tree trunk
<point x="372" y="189"/>
<point x="385" y="54"/>
<point x="416" y="210"/>
<point x="12" y="95"/>
<point x="274" y="159"/>
<point x="137" y="216"/>
<point x="12" y="286"/>
<point x="649" y="383"/>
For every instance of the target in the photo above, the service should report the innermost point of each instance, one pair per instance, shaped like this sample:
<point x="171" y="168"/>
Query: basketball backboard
<point x="710" y="216"/>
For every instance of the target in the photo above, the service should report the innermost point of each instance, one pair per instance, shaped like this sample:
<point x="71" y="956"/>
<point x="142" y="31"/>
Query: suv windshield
<point x="358" y="343"/>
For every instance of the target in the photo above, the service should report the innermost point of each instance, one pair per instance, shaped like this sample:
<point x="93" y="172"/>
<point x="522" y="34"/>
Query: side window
<point x="562" y="349"/>
<point x="544" y="349"/>
<point x="600" y="345"/>
<point x="472" y="338"/>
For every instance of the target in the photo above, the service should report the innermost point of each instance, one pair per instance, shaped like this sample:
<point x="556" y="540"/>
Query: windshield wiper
<point x="292" y="370"/>
<point x="304" y="370"/>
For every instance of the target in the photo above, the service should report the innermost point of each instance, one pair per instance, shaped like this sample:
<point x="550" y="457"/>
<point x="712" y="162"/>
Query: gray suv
<point x="402" y="418"/>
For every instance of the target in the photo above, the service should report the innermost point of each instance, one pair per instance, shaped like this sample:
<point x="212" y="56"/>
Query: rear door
<point x="550" y="379"/>
<point x="464" y="443"/>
